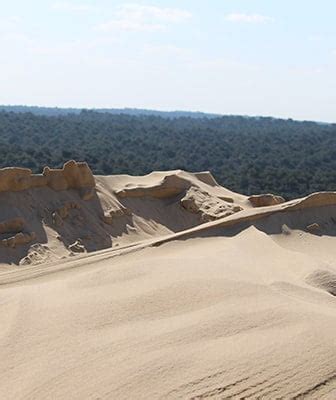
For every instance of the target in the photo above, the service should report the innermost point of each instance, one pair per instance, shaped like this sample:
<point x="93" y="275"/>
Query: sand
<point x="239" y="307"/>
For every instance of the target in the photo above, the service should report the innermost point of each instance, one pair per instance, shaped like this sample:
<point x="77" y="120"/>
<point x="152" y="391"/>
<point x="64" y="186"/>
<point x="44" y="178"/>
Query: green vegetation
<point x="247" y="155"/>
<point x="56" y="111"/>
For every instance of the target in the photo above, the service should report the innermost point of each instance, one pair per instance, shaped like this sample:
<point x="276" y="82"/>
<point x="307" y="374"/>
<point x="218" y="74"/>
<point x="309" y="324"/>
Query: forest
<point x="246" y="155"/>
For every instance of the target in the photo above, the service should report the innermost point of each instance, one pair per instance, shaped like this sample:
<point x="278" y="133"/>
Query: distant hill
<point x="55" y="111"/>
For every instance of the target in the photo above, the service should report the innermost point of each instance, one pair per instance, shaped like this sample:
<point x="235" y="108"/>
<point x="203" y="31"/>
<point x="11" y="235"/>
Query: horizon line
<point x="167" y="111"/>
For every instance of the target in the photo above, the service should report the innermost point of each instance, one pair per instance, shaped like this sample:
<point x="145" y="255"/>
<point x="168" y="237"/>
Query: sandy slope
<point x="241" y="307"/>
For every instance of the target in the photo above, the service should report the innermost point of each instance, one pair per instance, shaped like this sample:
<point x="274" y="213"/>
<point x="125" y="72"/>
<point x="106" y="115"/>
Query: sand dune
<point x="166" y="286"/>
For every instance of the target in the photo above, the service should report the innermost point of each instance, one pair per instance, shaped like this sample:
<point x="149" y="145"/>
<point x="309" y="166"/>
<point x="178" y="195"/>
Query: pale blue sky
<point x="251" y="57"/>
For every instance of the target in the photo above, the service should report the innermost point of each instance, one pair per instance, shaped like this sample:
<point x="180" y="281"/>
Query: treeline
<point x="57" y="111"/>
<point x="247" y="155"/>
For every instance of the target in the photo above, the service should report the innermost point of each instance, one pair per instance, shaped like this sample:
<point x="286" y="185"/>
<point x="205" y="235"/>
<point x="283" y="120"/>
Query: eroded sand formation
<point x="196" y="291"/>
<point x="73" y="175"/>
<point x="66" y="212"/>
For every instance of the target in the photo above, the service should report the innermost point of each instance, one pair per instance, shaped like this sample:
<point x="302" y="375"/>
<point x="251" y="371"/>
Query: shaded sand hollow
<point x="166" y="286"/>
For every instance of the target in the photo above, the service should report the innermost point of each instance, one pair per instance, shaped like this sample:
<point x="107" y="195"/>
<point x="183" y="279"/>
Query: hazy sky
<point x="254" y="57"/>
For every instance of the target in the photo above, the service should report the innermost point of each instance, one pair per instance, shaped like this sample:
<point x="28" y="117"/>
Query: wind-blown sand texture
<point x="166" y="286"/>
